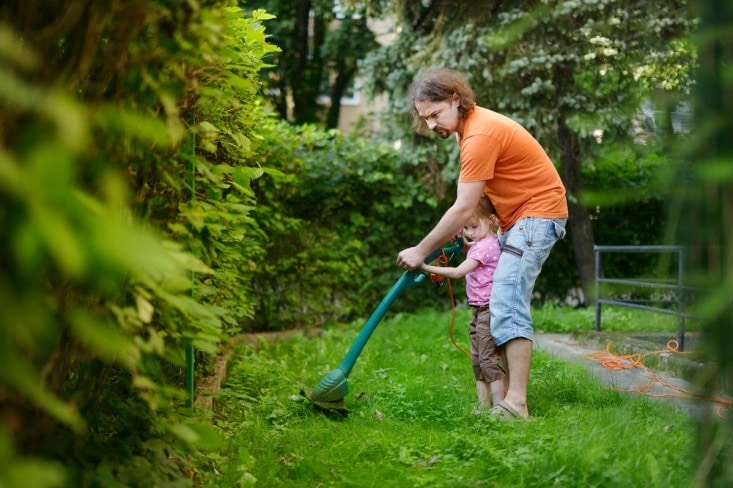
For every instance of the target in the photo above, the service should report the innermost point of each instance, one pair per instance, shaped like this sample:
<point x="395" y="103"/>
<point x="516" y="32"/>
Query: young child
<point x="478" y="268"/>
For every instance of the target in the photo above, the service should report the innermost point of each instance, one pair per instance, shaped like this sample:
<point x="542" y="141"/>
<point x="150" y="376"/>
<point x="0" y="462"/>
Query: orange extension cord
<point x="442" y="260"/>
<point x="629" y="361"/>
<point x="453" y="320"/>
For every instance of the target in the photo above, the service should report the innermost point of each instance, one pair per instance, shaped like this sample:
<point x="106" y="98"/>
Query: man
<point x="501" y="159"/>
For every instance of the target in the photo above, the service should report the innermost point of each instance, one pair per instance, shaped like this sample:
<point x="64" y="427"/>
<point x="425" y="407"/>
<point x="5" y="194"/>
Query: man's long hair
<point x="436" y="85"/>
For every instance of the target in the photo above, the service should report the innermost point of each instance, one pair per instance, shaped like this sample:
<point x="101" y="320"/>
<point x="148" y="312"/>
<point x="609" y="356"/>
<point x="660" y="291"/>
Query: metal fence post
<point x="598" y="288"/>
<point x="680" y="299"/>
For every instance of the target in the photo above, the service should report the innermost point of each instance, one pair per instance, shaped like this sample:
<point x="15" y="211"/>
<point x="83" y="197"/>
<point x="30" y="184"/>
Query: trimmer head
<point x="337" y="406"/>
<point x="330" y="392"/>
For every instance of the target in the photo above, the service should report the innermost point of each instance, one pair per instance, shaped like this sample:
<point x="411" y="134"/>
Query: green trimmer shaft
<point x="330" y="392"/>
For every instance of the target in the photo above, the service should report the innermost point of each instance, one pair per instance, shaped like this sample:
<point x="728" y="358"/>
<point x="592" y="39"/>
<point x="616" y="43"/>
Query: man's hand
<point x="411" y="258"/>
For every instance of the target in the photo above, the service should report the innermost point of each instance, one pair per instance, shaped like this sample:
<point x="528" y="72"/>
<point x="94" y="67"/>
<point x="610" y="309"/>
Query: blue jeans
<point x="524" y="249"/>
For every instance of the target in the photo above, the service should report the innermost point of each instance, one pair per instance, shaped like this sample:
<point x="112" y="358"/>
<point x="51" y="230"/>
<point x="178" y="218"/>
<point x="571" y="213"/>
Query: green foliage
<point x="124" y="200"/>
<point x="410" y="422"/>
<point x="331" y="228"/>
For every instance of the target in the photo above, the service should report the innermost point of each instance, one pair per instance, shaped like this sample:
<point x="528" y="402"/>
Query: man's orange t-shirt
<point x="521" y="180"/>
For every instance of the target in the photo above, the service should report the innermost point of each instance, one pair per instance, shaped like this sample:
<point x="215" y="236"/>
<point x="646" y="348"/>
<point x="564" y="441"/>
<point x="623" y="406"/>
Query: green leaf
<point x="208" y="436"/>
<point x="11" y="175"/>
<point x="133" y="123"/>
<point x="103" y="339"/>
<point x="68" y="118"/>
<point x="144" y="383"/>
<point x="261" y="14"/>
<point x="243" y="176"/>
<point x="22" y="473"/>
<point x="61" y="240"/>
<point x="184" y="432"/>
<point x="208" y="127"/>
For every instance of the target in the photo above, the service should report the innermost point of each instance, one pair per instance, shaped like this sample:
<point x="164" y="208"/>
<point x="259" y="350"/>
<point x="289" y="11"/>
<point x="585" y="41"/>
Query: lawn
<point x="411" y="395"/>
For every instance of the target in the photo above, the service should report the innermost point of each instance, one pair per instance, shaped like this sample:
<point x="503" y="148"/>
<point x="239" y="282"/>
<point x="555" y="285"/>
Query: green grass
<point x="410" y="398"/>
<point x="614" y="318"/>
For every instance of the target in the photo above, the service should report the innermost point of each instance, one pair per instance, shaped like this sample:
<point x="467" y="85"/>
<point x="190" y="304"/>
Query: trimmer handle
<point x="417" y="276"/>
<point x="450" y="251"/>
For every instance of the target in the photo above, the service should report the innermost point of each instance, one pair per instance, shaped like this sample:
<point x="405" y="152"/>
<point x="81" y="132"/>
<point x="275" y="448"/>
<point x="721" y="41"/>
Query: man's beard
<point x="442" y="133"/>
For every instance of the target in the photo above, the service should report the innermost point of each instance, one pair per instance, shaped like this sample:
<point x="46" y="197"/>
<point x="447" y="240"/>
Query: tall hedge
<point x="125" y="143"/>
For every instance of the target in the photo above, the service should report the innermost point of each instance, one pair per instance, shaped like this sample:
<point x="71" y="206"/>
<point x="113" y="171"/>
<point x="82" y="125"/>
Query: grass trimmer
<point x="329" y="394"/>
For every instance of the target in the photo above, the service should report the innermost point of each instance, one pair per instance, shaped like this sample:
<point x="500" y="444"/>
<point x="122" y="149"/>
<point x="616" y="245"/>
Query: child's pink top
<point x="479" y="281"/>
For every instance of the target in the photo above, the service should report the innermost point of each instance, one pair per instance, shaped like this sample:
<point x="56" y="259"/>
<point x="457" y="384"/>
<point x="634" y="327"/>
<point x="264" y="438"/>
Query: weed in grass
<point x="411" y="396"/>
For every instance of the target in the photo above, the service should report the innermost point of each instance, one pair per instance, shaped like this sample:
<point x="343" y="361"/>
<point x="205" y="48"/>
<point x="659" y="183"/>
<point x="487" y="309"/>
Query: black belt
<point x="479" y="308"/>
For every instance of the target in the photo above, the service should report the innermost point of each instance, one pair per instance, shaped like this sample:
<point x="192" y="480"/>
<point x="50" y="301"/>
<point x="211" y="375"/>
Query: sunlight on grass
<point x="410" y="424"/>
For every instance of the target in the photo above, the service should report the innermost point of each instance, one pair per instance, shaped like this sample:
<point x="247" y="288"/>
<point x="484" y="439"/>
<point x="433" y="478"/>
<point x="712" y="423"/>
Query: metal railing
<point x="670" y="287"/>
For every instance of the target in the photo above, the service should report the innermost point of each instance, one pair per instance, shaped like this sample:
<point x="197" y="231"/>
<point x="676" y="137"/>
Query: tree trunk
<point x="338" y="88"/>
<point x="308" y="72"/>
<point x="580" y="229"/>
